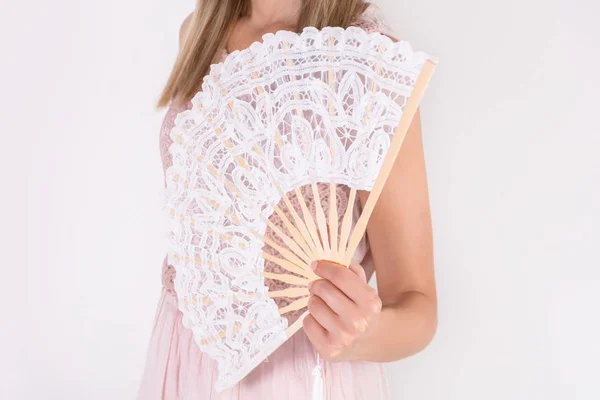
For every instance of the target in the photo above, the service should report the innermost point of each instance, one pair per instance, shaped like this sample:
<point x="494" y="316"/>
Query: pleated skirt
<point x="176" y="369"/>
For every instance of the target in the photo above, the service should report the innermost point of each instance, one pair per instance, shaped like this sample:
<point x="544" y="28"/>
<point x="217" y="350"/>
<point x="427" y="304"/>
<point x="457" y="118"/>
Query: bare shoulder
<point x="184" y="28"/>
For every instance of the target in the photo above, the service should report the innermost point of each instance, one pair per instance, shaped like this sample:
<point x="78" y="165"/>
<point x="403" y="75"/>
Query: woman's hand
<point x="343" y="308"/>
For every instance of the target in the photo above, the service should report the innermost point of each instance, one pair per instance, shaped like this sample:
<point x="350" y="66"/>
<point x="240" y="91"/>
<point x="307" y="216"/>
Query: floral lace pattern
<point x="291" y="115"/>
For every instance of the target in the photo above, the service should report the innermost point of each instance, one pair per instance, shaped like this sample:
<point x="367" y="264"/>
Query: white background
<point x="512" y="140"/>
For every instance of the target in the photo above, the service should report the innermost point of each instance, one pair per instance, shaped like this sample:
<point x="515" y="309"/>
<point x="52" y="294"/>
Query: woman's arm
<point x="347" y="321"/>
<point x="400" y="238"/>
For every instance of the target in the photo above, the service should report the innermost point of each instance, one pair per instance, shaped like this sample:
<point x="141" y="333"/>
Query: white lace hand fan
<point x="275" y="121"/>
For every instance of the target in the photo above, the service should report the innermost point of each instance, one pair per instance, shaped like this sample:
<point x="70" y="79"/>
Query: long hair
<point x="209" y="29"/>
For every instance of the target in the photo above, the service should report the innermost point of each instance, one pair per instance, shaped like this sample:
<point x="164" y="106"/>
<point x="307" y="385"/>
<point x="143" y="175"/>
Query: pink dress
<point x="176" y="369"/>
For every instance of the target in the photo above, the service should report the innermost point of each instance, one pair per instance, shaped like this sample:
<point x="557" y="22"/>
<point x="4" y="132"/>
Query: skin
<point x="348" y="319"/>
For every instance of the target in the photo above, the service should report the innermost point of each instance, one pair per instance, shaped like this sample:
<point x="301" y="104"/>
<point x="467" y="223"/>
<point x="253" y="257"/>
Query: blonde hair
<point x="208" y="33"/>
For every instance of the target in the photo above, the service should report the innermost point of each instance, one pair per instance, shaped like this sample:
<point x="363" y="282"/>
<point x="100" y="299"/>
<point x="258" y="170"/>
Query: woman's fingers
<point x="326" y="330"/>
<point x="333" y="296"/>
<point x="350" y="283"/>
<point x="316" y="333"/>
<point x="324" y="315"/>
<point x="327" y="347"/>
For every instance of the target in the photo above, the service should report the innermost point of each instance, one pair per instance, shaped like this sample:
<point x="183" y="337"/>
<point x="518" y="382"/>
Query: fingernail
<point x="309" y="285"/>
<point x="313" y="265"/>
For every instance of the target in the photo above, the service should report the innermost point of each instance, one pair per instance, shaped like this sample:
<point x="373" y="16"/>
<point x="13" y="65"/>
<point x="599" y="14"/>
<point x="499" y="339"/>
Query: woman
<point x="353" y="328"/>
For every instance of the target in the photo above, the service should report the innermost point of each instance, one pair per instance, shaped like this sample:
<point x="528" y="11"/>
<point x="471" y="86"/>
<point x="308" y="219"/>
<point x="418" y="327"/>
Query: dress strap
<point x="373" y="20"/>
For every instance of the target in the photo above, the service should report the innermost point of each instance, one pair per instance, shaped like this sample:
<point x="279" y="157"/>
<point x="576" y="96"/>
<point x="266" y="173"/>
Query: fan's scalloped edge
<point x="416" y="57"/>
<point x="226" y="379"/>
<point x="231" y="380"/>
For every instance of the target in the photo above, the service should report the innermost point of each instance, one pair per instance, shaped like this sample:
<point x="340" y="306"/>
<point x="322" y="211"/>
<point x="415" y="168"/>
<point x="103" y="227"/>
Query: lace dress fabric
<point x="175" y="367"/>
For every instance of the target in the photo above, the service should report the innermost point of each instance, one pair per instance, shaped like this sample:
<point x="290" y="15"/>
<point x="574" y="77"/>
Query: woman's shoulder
<point x="373" y="20"/>
<point x="183" y="29"/>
